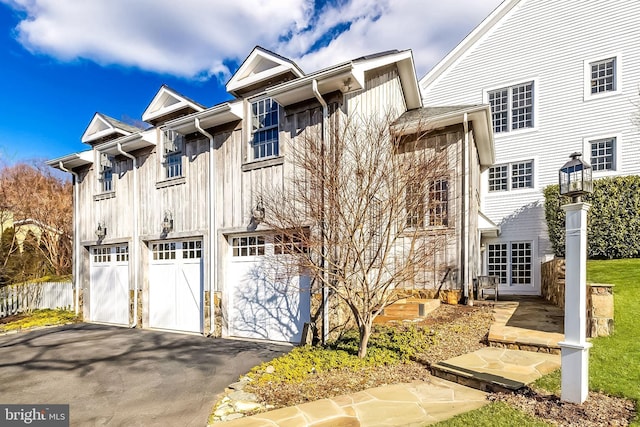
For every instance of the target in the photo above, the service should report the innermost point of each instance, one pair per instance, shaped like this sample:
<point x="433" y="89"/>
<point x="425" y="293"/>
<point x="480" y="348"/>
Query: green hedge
<point x="613" y="221"/>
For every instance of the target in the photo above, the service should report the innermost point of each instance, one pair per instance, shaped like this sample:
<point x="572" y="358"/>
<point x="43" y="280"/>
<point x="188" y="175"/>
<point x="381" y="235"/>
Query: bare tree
<point x="41" y="202"/>
<point x="353" y="208"/>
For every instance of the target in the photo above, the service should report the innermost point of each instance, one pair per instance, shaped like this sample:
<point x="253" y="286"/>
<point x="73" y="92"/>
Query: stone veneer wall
<point x="599" y="298"/>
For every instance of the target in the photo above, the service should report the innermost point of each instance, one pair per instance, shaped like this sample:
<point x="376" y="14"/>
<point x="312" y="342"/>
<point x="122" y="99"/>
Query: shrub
<point x="613" y="220"/>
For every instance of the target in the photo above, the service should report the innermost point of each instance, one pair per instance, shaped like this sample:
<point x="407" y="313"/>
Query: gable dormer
<point x="260" y="70"/>
<point x="169" y="104"/>
<point x="103" y="128"/>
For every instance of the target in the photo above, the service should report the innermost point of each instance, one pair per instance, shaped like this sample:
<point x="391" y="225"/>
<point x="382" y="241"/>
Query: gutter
<point x="325" y="289"/>
<point x="76" y="237"/>
<point x="213" y="272"/>
<point x="466" y="202"/>
<point x="134" y="250"/>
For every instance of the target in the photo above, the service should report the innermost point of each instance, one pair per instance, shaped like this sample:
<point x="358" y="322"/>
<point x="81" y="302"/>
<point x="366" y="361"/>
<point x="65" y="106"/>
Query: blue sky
<point x="63" y="60"/>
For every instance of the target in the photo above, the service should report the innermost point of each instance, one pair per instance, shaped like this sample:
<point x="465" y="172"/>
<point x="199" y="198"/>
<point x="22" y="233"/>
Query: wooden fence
<point x="19" y="298"/>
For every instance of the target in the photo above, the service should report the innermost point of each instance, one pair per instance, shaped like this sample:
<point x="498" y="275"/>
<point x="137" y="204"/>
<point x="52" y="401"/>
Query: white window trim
<point x="249" y="158"/>
<point x="98" y="168"/>
<point x="509" y="190"/>
<point x="588" y="96"/>
<point x="617" y="158"/>
<point x="162" y="173"/>
<point x="536" y="97"/>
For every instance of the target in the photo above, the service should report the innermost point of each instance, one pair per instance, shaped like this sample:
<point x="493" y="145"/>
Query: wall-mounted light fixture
<point x="258" y="212"/>
<point x="167" y="222"/>
<point x="346" y="85"/>
<point x="101" y="231"/>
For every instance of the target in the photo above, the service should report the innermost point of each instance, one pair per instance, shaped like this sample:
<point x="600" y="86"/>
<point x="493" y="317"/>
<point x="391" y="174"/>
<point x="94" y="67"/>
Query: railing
<point x="31" y="296"/>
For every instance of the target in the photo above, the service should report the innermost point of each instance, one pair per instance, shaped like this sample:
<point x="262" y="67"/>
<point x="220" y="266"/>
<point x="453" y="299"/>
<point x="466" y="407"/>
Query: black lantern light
<point x="167" y="222"/>
<point x="101" y="231"/>
<point x="575" y="178"/>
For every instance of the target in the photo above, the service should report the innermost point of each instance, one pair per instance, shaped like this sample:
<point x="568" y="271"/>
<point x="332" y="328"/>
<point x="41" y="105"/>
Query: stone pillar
<point x="600" y="310"/>
<point x="575" y="348"/>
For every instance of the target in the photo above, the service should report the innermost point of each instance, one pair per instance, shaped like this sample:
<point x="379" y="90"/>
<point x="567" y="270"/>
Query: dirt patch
<point x="11" y="318"/>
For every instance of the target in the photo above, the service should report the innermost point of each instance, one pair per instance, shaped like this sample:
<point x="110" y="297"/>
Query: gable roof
<point x="351" y="76"/>
<point x="261" y="65"/>
<point x="467" y="43"/>
<point x="426" y="118"/>
<point x="102" y="126"/>
<point x="167" y="102"/>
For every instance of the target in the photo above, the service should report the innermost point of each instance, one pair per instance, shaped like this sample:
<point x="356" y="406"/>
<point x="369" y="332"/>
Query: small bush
<point x="387" y="346"/>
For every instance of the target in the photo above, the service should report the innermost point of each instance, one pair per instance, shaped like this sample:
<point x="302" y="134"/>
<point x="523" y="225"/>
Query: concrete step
<point x="496" y="369"/>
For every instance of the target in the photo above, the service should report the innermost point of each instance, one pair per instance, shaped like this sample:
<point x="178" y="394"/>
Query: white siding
<point x="549" y="41"/>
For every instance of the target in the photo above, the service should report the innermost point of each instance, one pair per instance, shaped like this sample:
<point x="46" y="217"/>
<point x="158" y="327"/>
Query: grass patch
<point x="387" y="346"/>
<point x="46" y="317"/>
<point x="614" y="361"/>
<point x="495" y="414"/>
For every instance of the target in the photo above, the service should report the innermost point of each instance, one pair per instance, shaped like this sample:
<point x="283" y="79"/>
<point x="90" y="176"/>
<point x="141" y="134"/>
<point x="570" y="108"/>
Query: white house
<point x="165" y="230"/>
<point x="560" y="76"/>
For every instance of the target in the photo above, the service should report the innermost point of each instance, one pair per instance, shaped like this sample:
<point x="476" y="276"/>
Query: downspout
<point x="466" y="203"/>
<point x="76" y="237"/>
<point x="135" y="236"/>
<point x="213" y="250"/>
<point x="325" y="137"/>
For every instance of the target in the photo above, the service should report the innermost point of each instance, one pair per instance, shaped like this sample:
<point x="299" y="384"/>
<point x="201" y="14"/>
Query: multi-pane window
<point x="498" y="178"/>
<point x="164" y="250"/>
<point x="264" y="128"/>
<point x="289" y="244"/>
<point x="498" y="261"/>
<point x="173" y="148"/>
<point x="248" y="246"/>
<point x="521" y="263"/>
<point x="603" y="76"/>
<point x="512" y="107"/>
<point x="439" y="203"/>
<point x="511" y="176"/>
<point x="101" y="255"/>
<point x="511" y="263"/>
<point x="106" y="173"/>
<point x="192" y="249"/>
<point x="122" y="253"/>
<point x="603" y="154"/>
<point x="414" y="199"/>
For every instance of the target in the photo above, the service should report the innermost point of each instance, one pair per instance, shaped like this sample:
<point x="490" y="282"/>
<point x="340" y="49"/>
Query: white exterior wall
<point x="550" y="42"/>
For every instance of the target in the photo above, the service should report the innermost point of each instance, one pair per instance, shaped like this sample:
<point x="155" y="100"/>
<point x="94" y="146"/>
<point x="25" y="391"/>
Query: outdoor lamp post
<point x="575" y="180"/>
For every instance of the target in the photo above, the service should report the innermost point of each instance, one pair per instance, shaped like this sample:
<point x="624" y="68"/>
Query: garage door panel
<point x="176" y="286"/>
<point x="267" y="300"/>
<point x="109" y="285"/>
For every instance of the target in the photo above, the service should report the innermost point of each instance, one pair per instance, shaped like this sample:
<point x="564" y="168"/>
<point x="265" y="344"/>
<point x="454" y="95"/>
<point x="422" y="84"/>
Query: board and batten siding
<point x="382" y="95"/>
<point x="549" y="42"/>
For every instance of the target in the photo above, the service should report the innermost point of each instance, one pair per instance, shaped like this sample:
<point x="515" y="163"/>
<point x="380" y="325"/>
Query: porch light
<point x="167" y="222"/>
<point x="575" y="178"/>
<point x="101" y="231"/>
<point x="258" y="212"/>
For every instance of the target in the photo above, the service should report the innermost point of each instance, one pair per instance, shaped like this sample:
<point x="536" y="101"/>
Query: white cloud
<point x="195" y="38"/>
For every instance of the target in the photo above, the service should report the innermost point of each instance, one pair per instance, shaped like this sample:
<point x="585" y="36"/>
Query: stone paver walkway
<point x="412" y="404"/>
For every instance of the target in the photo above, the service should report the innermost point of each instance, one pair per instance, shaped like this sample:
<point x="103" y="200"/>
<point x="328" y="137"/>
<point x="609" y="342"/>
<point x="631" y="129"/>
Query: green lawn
<point x="46" y="317"/>
<point x="614" y="362"/>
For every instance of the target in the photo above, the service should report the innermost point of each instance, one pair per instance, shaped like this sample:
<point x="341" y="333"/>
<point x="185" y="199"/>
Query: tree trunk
<point x="365" y="333"/>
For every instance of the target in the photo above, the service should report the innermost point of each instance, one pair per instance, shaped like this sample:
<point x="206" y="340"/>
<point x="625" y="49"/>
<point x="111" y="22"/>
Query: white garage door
<point x="175" y="285"/>
<point x="268" y="298"/>
<point x="109" y="284"/>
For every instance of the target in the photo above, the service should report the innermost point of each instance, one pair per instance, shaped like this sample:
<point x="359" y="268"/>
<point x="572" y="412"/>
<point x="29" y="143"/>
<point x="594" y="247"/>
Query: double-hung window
<point x="603" y="76"/>
<point x="511" y="176"/>
<point x="603" y="154"/>
<point x="512" y="107"/>
<point x="437" y="204"/>
<point x="264" y="128"/>
<point x="106" y="173"/>
<point x="172" y="154"/>
<point x="414" y="199"/>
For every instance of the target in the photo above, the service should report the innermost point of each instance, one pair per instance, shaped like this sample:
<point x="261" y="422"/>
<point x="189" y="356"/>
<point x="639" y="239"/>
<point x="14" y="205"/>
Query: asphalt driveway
<point x="117" y="376"/>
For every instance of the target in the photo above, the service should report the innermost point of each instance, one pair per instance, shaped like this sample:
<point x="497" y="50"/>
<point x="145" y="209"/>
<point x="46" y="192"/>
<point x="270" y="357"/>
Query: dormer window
<point x="264" y="128"/>
<point x="106" y="173"/>
<point x="173" y="148"/>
